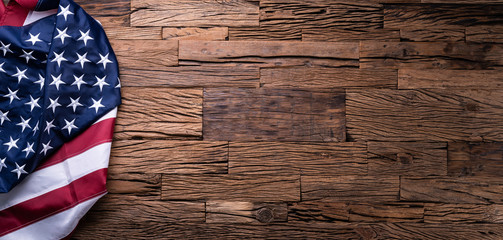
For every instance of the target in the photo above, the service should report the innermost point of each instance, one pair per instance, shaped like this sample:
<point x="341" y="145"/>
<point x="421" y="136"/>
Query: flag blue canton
<point x="57" y="77"/>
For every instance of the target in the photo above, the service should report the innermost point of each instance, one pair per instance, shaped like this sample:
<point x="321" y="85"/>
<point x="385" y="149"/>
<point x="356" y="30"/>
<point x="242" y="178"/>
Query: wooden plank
<point x="195" y="33"/>
<point x="263" y="33"/>
<point x="477" y="190"/>
<point x="318" y="211"/>
<point x="432" y="35"/>
<point x="192" y="76"/>
<point x="436" y="55"/>
<point x="146" y="54"/>
<point x="449" y="79"/>
<point x="350" y="188"/>
<point x="424" y="115"/>
<point x="194" y="13"/>
<point x="319" y="77"/>
<point x="255" y="188"/>
<point x="161" y="156"/>
<point x="475" y="159"/>
<point x="133" y="33"/>
<point x="306" y="158"/>
<point x="442" y="15"/>
<point x="245" y="212"/>
<point x="159" y="113"/>
<point x="269" y="53"/>
<point x="484" y="34"/>
<point x="386" y="212"/>
<point x="140" y="184"/>
<point x="347" y="35"/>
<point x="462" y="213"/>
<point x="105" y="8"/>
<point x="462" y="1"/>
<point x="111" y="22"/>
<point x="407" y="158"/>
<point x="273" y="115"/>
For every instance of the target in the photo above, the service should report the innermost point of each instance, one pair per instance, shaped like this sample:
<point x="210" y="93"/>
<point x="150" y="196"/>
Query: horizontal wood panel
<point x="105" y="8"/>
<point x="484" y="34"/>
<point x="448" y="79"/>
<point x="476" y="159"/>
<point x="318" y="211"/>
<point x="463" y="213"/>
<point x="195" y="33"/>
<point x="146" y="54"/>
<point x="263" y="33"/>
<point x="346" y="35"/>
<point x="136" y="184"/>
<point x="245" y="212"/>
<point x="386" y="212"/>
<point x="133" y="33"/>
<point x="432" y="35"/>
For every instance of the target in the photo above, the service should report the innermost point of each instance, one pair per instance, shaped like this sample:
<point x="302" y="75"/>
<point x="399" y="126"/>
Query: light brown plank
<point x="347" y="35"/>
<point x="194" y="13"/>
<point x="317" y="77"/>
<point x="475" y="159"/>
<point x="318" y="211"/>
<point x="245" y="212"/>
<point x="273" y="115"/>
<point x="255" y="188"/>
<point x="111" y="22"/>
<point x="432" y="35"/>
<point x="105" y="8"/>
<point x="134" y="183"/>
<point x="448" y="79"/>
<point x="263" y="33"/>
<point x="492" y="34"/>
<point x="146" y="54"/>
<point x="159" y="113"/>
<point x="349" y="188"/>
<point x="133" y="33"/>
<point x="407" y="158"/>
<point x="386" y="212"/>
<point x="162" y="156"/>
<point x="477" y="190"/>
<point x="424" y="115"/>
<point x="306" y="158"/>
<point x="195" y="33"/>
<point x="269" y="54"/>
<point x="462" y="213"/>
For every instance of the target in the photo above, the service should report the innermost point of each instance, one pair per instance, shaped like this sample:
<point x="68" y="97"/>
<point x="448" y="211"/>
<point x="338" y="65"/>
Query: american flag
<point x="59" y="91"/>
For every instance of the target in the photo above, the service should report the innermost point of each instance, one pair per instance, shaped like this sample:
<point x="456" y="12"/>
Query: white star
<point x="54" y="104"/>
<point x="59" y="58"/>
<point x="1" y="69"/>
<point x="85" y="37"/>
<point x="48" y="126"/>
<point x="78" y="81"/>
<point x="45" y="148"/>
<point x="97" y="104"/>
<point x="12" y="95"/>
<point x="35" y="129"/>
<point x="40" y="81"/>
<point x="33" y="39"/>
<point x="24" y="123"/>
<point x="3" y="117"/>
<point x="82" y="59"/>
<point x="75" y="103"/>
<point x="118" y="83"/>
<point x="56" y="81"/>
<point x="2" y="163"/>
<point x="20" y="74"/>
<point x="28" y="149"/>
<point x="70" y="125"/>
<point x="104" y="60"/>
<point x="62" y="35"/>
<point x="100" y="82"/>
<point x="27" y="56"/>
<point x="19" y="170"/>
<point x="64" y="11"/>
<point x="11" y="143"/>
<point x="33" y="103"/>
<point x="5" y="48"/>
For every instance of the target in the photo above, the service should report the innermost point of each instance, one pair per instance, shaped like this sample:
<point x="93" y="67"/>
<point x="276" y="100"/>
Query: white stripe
<point x="57" y="175"/>
<point x="111" y="114"/>
<point x="57" y="226"/>
<point x="34" y="16"/>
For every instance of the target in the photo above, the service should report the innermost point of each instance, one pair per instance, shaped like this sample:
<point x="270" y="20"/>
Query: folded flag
<point x="59" y="90"/>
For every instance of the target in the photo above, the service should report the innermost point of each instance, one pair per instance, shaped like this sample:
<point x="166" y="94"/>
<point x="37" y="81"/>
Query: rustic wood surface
<point x="304" y="119"/>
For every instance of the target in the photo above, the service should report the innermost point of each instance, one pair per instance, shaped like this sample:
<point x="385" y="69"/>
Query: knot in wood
<point x="264" y="215"/>
<point x="404" y="158"/>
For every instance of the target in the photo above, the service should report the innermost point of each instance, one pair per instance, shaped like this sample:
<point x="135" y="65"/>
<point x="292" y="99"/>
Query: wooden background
<point x="292" y="119"/>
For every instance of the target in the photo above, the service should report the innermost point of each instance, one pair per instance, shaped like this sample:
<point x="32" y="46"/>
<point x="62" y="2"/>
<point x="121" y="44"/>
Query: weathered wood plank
<point x="475" y="159"/>
<point x="146" y="54"/>
<point x="161" y="156"/>
<point x="159" y="113"/>
<point x="316" y="77"/>
<point x="484" y="34"/>
<point x="194" y="13"/>
<point x="386" y="212"/>
<point x="306" y="158"/>
<point x="432" y="35"/>
<point x="407" y="158"/>
<point x="347" y="35"/>
<point x="140" y="184"/>
<point x="105" y="8"/>
<point x="272" y="114"/>
<point x="195" y="33"/>
<point x="255" y="188"/>
<point x="424" y="115"/>
<point x="448" y="79"/>
<point x="110" y="22"/>
<point x="263" y="33"/>
<point x="437" y="55"/>
<point x="192" y="76"/>
<point x="269" y="54"/>
<point x="350" y="188"/>
<point x="442" y="15"/>
<point x="133" y="33"/>
<point x="318" y="211"/>
<point x="245" y="212"/>
<point x="462" y="213"/>
<point x="476" y="190"/>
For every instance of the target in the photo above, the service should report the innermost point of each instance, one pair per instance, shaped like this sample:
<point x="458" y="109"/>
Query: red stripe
<point x="53" y="202"/>
<point x="95" y="135"/>
<point x="13" y="15"/>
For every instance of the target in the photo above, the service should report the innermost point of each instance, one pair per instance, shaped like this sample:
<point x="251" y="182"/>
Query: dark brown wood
<point x="484" y="34"/>
<point x="432" y="35"/>
<point x="475" y="159"/>
<point x="194" y="33"/>
<point x="336" y="34"/>
<point x="386" y="212"/>
<point x="263" y="33"/>
<point x="273" y="114"/>
<point x="146" y="54"/>
<point x="462" y="213"/>
<point x="449" y="79"/>
<point x="140" y="184"/>
<point x="318" y="211"/>
<point x="245" y="212"/>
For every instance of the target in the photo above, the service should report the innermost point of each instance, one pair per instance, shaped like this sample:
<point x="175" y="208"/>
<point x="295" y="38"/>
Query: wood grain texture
<point x="195" y="33"/>
<point x="475" y="159"/>
<point x="420" y="115"/>
<point x="449" y="79"/>
<point x="135" y="184"/>
<point x="171" y="113"/>
<point x="432" y="35"/>
<point x="335" y="34"/>
<point x="317" y="77"/>
<point x="462" y="213"/>
<point x="273" y="114"/>
<point x="245" y="212"/>
<point x="194" y="13"/>
<point x="133" y="33"/>
<point x="407" y="158"/>
<point x="146" y="54"/>
<point x="305" y="158"/>
<point x="349" y="188"/>
<point x="263" y="33"/>
<point x="484" y="34"/>
<point x="318" y="211"/>
<point x="462" y="1"/>
<point x="477" y="190"/>
<point x="386" y="212"/>
<point x="255" y="188"/>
